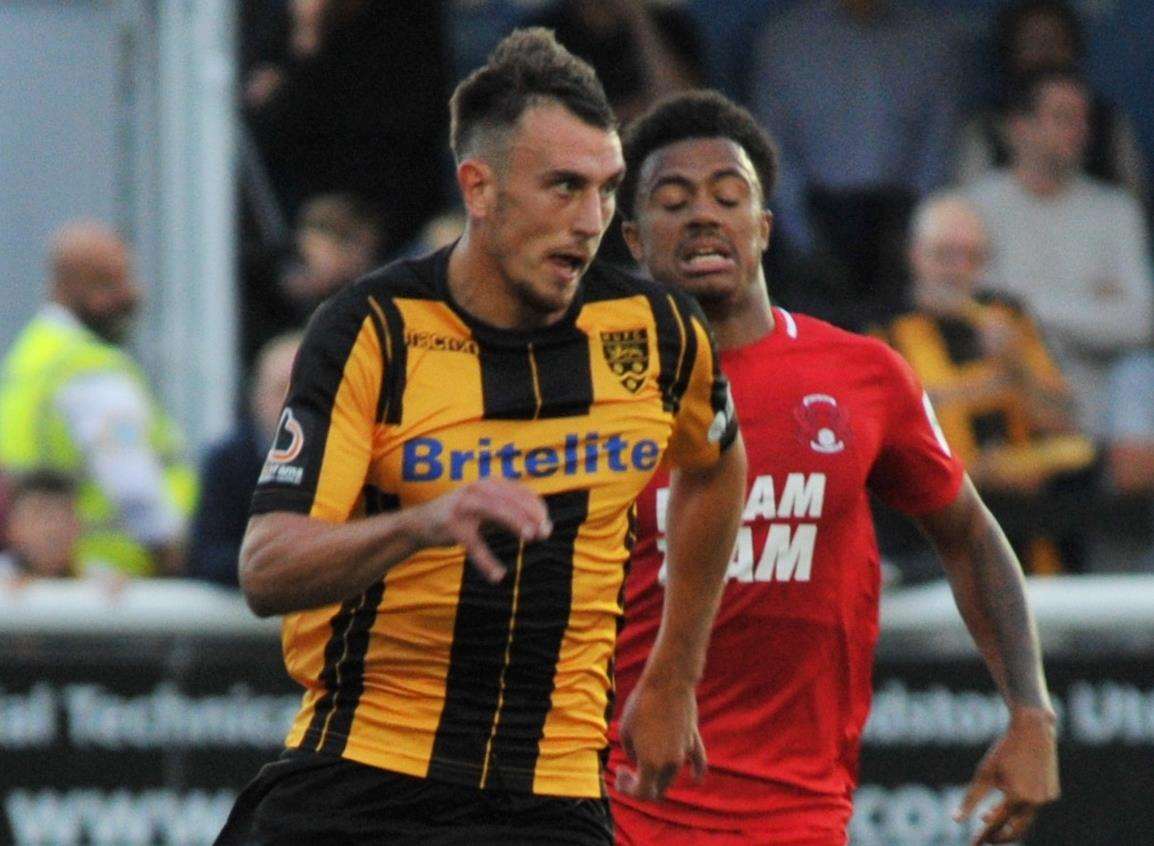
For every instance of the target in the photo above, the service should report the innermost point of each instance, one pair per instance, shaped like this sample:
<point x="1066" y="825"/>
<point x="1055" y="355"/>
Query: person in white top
<point x="1073" y="248"/>
<point x="1031" y="35"/>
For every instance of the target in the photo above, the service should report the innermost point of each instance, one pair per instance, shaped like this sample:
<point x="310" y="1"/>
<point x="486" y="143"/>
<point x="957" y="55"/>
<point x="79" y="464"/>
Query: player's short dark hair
<point x="694" y="114"/>
<point x="527" y="68"/>
<point x="1026" y="91"/>
<point x="1010" y="19"/>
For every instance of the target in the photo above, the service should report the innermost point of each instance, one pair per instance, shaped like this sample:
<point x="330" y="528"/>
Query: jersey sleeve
<point x="319" y="459"/>
<point x="916" y="472"/>
<point x="705" y="422"/>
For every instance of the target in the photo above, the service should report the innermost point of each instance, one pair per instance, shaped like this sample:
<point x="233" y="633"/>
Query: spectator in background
<point x="475" y="27"/>
<point x="642" y="51"/>
<point x="231" y="467"/>
<point x="42" y="528"/>
<point x="441" y="230"/>
<point x="860" y="95"/>
<point x="1072" y="248"/>
<point x="1002" y="401"/>
<point x="337" y="239"/>
<point x="1130" y="461"/>
<point x="1131" y="405"/>
<point x="73" y="401"/>
<point x="1033" y="35"/>
<point x="5" y="502"/>
<point x="262" y="40"/>
<point x="356" y="105"/>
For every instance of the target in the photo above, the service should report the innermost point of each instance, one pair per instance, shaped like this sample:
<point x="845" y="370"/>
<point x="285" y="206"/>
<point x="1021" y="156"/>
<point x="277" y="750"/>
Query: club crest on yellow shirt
<point x="627" y="354"/>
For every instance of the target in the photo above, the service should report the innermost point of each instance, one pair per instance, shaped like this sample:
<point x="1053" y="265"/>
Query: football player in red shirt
<point x="828" y="417"/>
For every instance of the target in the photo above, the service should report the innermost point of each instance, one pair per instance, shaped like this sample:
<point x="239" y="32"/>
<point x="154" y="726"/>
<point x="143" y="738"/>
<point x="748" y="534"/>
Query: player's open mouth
<point x="702" y="258"/>
<point x="571" y="264"/>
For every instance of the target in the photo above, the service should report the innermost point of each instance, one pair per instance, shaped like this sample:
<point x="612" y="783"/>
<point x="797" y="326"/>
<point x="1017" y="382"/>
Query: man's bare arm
<point x="989" y="589"/>
<point x="988" y="586"/>
<point x="290" y="562"/>
<point x="703" y="514"/>
<point x="659" y="722"/>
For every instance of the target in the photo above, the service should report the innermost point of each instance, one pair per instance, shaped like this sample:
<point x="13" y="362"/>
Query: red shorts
<point x="637" y="829"/>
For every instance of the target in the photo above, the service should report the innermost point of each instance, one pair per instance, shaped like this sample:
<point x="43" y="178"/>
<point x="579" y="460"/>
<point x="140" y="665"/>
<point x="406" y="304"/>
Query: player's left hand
<point x="1023" y="765"/>
<point x="658" y="732"/>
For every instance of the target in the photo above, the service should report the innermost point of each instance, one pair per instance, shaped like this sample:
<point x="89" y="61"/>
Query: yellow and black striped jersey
<point x="397" y="397"/>
<point x="946" y="353"/>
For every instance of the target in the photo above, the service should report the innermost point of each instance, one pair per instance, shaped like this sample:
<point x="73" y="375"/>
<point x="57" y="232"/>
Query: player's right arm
<point x="290" y="562"/>
<point x="301" y="550"/>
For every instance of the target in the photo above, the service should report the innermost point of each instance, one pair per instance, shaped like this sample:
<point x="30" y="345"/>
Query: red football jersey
<point x="827" y="416"/>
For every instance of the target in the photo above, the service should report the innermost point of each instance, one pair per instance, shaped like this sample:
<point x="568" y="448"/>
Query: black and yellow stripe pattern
<point x="947" y="355"/>
<point x="402" y="397"/>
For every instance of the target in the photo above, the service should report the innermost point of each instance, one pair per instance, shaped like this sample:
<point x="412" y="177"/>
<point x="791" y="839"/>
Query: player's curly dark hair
<point x="695" y="114"/>
<point x="528" y="67"/>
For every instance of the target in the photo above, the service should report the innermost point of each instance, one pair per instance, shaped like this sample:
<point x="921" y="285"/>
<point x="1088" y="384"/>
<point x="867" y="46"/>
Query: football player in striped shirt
<point x="446" y="516"/>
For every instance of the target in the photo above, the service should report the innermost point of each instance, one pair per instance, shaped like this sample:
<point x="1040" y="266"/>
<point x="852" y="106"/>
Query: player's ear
<point x="632" y="238"/>
<point x="476" y="179"/>
<point x="765" y="227"/>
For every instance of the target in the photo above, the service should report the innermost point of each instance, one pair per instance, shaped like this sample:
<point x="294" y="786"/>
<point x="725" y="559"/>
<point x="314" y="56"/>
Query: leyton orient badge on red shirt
<point x="824" y="424"/>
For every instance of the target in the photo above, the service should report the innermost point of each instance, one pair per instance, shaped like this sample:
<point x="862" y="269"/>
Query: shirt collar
<point x="60" y="315"/>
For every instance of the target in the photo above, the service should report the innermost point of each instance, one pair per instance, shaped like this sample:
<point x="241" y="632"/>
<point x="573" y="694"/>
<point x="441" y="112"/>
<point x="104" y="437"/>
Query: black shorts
<point x="306" y="799"/>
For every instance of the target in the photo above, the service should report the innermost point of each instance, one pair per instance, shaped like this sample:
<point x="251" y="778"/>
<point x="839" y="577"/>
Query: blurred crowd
<point x="1001" y="247"/>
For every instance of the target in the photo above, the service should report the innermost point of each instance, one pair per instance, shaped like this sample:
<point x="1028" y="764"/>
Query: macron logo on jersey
<point x="427" y="459"/>
<point x="787" y="555"/>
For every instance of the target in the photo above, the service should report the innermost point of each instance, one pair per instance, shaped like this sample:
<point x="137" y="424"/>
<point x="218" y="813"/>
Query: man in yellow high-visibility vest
<point x="72" y="400"/>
